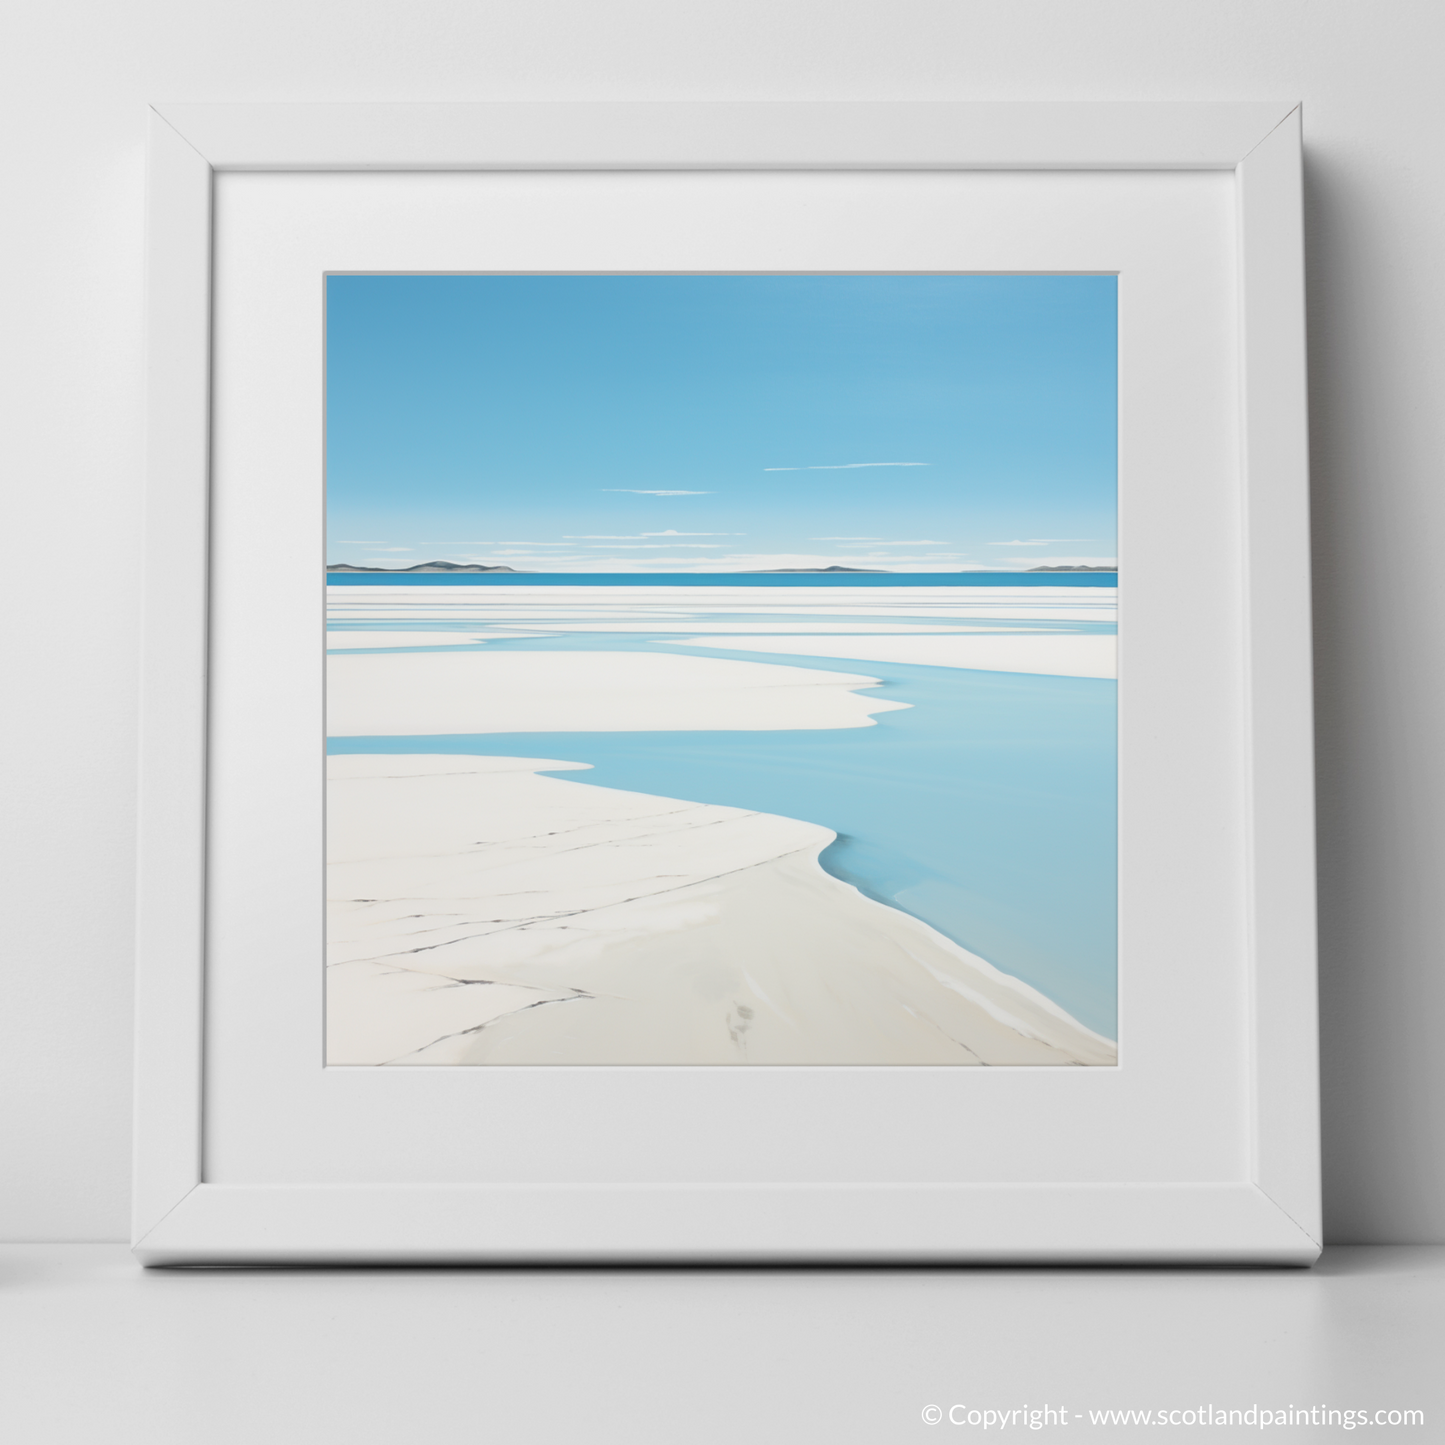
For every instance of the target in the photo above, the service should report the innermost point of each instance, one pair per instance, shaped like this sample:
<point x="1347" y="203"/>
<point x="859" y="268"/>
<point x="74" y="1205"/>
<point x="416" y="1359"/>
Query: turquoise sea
<point x="987" y="808"/>
<point x="723" y="579"/>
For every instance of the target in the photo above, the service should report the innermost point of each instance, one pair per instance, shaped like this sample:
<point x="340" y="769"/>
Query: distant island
<point x="420" y="567"/>
<point x="1073" y="569"/>
<point x="764" y="571"/>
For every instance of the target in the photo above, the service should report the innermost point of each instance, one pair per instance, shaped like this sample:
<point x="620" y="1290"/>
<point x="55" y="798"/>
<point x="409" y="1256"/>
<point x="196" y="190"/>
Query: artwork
<point x="721" y="670"/>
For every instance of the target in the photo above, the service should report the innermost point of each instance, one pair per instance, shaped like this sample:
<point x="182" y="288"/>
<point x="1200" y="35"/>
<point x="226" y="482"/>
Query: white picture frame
<point x="1268" y="1213"/>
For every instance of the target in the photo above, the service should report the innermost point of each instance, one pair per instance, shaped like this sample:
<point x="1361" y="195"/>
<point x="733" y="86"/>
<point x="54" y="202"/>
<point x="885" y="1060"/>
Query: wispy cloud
<point x="640" y="536"/>
<point x="753" y="562"/>
<point x="514" y="552"/>
<point x="659" y="546"/>
<point x="845" y="539"/>
<point x="609" y="561"/>
<point x="913" y="542"/>
<point x="1037" y="561"/>
<point x="645" y="492"/>
<point x="847" y="466"/>
<point x="1037" y="542"/>
<point x="357" y="542"/>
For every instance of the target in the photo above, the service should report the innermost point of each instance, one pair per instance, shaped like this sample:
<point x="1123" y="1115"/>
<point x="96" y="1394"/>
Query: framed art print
<point x="727" y="682"/>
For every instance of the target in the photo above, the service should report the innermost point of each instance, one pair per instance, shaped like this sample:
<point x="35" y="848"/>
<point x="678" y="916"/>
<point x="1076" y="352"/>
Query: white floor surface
<point x="96" y="1350"/>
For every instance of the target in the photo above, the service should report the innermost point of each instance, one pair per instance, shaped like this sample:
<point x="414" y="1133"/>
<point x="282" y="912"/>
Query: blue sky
<point x="721" y="423"/>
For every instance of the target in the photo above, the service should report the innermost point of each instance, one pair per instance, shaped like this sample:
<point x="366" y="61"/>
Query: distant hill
<point x="420" y="567"/>
<point x="1073" y="569"/>
<point x="877" y="570"/>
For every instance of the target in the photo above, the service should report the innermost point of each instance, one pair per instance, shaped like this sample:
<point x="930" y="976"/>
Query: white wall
<point x="75" y="76"/>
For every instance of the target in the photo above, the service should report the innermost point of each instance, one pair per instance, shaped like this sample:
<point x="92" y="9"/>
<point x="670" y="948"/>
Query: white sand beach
<point x="761" y="628"/>
<point x="1075" y="655"/>
<point x="408" y="638"/>
<point x="402" y="694"/>
<point x="482" y="913"/>
<point x="653" y="607"/>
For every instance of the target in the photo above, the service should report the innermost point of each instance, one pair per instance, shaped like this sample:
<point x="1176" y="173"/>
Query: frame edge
<point x="1280" y="689"/>
<point x="170" y="918"/>
<point x="733" y="1224"/>
<point x="727" y="135"/>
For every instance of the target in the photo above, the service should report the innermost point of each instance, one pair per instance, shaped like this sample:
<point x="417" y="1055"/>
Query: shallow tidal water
<point x="987" y="808"/>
